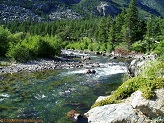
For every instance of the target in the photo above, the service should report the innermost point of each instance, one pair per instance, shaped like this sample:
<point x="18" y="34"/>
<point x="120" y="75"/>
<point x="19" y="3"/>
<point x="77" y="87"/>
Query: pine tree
<point x="132" y="22"/>
<point x="103" y="30"/>
<point x="119" y="22"/>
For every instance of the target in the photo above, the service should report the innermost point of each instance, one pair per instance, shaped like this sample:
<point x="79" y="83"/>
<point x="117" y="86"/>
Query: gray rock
<point x="114" y="113"/>
<point x="151" y="108"/>
<point x="139" y="63"/>
<point x="134" y="109"/>
<point x="107" y="9"/>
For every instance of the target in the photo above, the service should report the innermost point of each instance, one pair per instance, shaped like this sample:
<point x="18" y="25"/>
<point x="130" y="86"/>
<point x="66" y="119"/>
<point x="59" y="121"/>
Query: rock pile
<point x="67" y="14"/>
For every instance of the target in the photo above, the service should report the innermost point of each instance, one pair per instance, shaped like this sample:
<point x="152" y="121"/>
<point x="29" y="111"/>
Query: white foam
<point x="4" y="95"/>
<point x="115" y="69"/>
<point x="81" y="71"/>
<point x="77" y="53"/>
<point x="104" y="69"/>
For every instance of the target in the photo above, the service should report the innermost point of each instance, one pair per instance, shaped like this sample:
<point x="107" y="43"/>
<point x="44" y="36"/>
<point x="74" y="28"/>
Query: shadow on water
<point x="82" y="119"/>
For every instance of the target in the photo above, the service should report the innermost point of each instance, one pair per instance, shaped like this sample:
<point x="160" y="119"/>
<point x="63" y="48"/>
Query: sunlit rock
<point x="133" y="109"/>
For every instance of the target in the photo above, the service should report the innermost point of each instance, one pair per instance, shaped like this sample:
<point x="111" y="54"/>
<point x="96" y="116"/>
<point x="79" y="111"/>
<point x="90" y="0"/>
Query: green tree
<point x="112" y="36"/>
<point x="119" y="22"/>
<point x="4" y="42"/>
<point x="131" y="23"/>
<point x="103" y="30"/>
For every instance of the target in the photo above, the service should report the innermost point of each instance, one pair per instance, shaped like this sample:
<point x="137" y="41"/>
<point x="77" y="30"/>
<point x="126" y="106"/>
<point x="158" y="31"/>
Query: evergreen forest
<point x="126" y="31"/>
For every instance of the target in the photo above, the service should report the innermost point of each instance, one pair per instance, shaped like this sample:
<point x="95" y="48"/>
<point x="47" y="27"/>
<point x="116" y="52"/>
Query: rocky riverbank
<point x="134" y="108"/>
<point x="67" y="60"/>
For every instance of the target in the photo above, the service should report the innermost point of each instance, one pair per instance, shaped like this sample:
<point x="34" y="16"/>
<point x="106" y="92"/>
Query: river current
<point x="49" y="95"/>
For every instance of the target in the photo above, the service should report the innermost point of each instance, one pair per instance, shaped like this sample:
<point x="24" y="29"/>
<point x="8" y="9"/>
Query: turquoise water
<point x="49" y="95"/>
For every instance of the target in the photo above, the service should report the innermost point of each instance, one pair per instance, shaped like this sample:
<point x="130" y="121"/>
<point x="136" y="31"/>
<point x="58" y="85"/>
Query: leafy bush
<point x="139" y="46"/>
<point x="4" y="42"/>
<point x="19" y="53"/>
<point x="159" y="48"/>
<point x="34" y="46"/>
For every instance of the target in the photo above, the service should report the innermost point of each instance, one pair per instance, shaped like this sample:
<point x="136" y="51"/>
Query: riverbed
<point x="49" y="94"/>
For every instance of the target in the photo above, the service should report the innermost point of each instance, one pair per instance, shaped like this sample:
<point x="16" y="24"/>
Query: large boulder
<point x="114" y="113"/>
<point x="152" y="108"/>
<point x="133" y="109"/>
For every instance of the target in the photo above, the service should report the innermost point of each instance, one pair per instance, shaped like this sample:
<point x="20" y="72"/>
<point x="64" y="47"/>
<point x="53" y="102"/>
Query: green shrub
<point x="147" y="92"/>
<point x="159" y="49"/>
<point x="139" y="46"/>
<point x="19" y="53"/>
<point x="4" y="42"/>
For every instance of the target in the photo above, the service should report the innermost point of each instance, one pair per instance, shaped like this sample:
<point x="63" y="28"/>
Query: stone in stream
<point x="89" y="71"/>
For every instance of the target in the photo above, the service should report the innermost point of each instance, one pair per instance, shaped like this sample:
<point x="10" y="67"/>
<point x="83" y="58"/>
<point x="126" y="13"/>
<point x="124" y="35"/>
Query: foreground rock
<point x="133" y="109"/>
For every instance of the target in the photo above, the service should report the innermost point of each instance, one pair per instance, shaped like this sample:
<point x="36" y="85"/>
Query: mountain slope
<point x="42" y="10"/>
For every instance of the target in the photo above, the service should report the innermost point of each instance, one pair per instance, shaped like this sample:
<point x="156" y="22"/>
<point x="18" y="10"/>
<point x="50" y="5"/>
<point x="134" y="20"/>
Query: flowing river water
<point x="49" y="95"/>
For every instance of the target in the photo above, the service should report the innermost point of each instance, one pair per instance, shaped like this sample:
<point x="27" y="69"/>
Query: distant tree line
<point x="126" y="31"/>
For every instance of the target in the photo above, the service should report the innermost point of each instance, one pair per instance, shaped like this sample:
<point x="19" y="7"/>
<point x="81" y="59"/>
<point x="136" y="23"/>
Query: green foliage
<point x="4" y="63"/>
<point x="139" y="46"/>
<point x="33" y="47"/>
<point x="100" y="34"/>
<point x="154" y="69"/>
<point x="44" y="46"/>
<point x="131" y="23"/>
<point x="151" y="80"/>
<point x="19" y="53"/>
<point x="4" y="42"/>
<point x="159" y="48"/>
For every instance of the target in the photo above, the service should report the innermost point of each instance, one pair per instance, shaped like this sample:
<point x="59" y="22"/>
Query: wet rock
<point x="97" y="53"/>
<point x="89" y="71"/>
<point x="93" y="71"/>
<point x="73" y="115"/>
<point x="85" y="58"/>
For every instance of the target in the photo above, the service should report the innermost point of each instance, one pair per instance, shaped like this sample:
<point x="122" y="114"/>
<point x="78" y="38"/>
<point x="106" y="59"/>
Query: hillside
<point x="43" y="10"/>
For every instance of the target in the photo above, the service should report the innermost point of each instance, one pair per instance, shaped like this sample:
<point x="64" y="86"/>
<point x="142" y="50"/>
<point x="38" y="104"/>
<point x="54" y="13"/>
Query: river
<point x="49" y="95"/>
